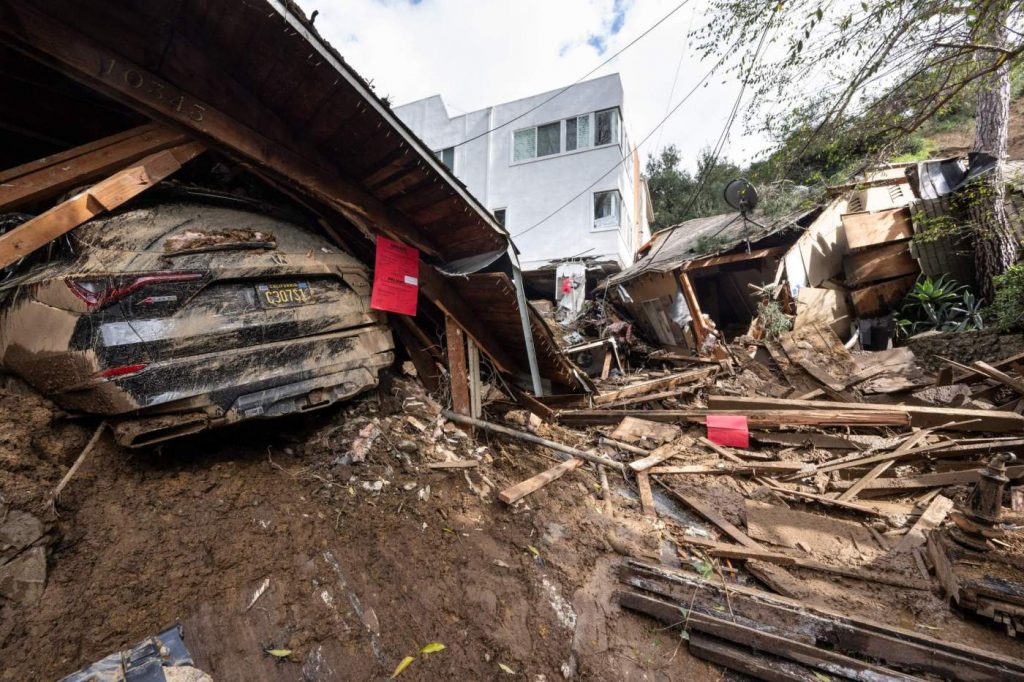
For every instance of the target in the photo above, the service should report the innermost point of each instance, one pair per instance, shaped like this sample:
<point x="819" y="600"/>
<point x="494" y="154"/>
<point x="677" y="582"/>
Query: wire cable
<point x="718" y="148"/>
<point x="577" y="81"/>
<point x="637" y="146"/>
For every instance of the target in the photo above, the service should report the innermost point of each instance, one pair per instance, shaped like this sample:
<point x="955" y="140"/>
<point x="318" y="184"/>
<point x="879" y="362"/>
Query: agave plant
<point x="939" y="304"/>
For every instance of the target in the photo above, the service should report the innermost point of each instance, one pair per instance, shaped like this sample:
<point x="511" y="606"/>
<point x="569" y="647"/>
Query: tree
<point x="677" y="196"/>
<point x="870" y="74"/>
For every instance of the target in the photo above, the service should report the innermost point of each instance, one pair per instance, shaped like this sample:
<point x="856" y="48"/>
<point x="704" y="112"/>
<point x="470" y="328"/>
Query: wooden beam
<point x="50" y="176"/>
<point x="940" y="479"/>
<point x="714" y="517"/>
<point x="653" y="385"/>
<point x="756" y="419"/>
<point x="457" y="371"/>
<point x="656" y="457"/>
<point x="697" y="320"/>
<point x="855" y="489"/>
<point x="535" y="483"/>
<point x="276" y="148"/>
<point x="931" y="519"/>
<point x="643" y="484"/>
<point x="1002" y="377"/>
<point x="975" y="420"/>
<point x="103" y="196"/>
<point x="712" y="261"/>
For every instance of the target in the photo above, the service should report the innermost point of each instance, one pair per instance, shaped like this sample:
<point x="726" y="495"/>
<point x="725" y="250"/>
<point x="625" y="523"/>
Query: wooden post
<point x="457" y="370"/>
<point x="699" y="331"/>
<point x="475" y="389"/>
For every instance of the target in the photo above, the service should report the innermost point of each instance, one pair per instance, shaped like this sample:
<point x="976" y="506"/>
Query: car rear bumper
<point x="264" y="380"/>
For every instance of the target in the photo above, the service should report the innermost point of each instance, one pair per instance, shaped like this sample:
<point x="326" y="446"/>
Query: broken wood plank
<point x="824" y="441"/>
<point x="855" y="489"/>
<point x="864" y="508"/>
<point x="931" y="519"/>
<point x="759" y="419"/>
<point x="980" y="420"/>
<point x="51" y="176"/>
<point x="731" y="455"/>
<point x="654" y="385"/>
<point x="643" y="484"/>
<point x="880" y="643"/>
<point x="651" y="397"/>
<point x="530" y="438"/>
<point x="454" y="464"/>
<point x="876" y="299"/>
<point x="634" y="429"/>
<point x="535" y="483"/>
<point x="878" y="227"/>
<point x="700" y="331"/>
<point x="86" y="205"/>
<point x="1002" y="377"/>
<point x="745" y="468"/>
<point x="777" y="578"/>
<point x="660" y="455"/>
<point x="714" y="517"/>
<point x="936" y="480"/>
<point x="458" y="371"/>
<point x="626" y="447"/>
<point x="724" y="550"/>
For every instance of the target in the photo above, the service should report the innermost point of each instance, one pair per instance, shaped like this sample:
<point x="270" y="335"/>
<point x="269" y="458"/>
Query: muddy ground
<point x="363" y="564"/>
<point x="357" y="579"/>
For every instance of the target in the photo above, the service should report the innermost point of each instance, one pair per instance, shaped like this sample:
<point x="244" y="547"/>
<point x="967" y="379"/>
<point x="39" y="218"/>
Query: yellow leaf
<point x="533" y="550"/>
<point x="279" y="653"/>
<point x="431" y="648"/>
<point x="506" y="669"/>
<point x="402" y="666"/>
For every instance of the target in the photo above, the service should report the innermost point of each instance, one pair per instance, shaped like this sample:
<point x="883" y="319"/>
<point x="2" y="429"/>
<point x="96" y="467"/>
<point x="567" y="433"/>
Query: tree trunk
<point x="996" y="248"/>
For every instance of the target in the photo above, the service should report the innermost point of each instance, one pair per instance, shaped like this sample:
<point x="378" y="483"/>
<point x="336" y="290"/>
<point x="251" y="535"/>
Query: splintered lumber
<point x="105" y="195"/>
<point x="756" y="418"/>
<point x="865" y="508"/>
<point x="724" y="550"/>
<point x="55" y="495"/>
<point x="530" y="438"/>
<point x="658" y="456"/>
<point x="906" y="449"/>
<point x="714" y="517"/>
<point x="651" y="397"/>
<point x="797" y="630"/>
<point x="931" y="519"/>
<point x="745" y="468"/>
<point x="53" y="175"/>
<point x="726" y="453"/>
<point x="535" y="483"/>
<point x="855" y="489"/>
<point x="973" y="420"/>
<point x="1001" y="377"/>
<point x="654" y="385"/>
<point x="938" y="480"/>
<point x="643" y="484"/>
<point x="818" y="440"/>
<point x="635" y="429"/>
<point x="626" y="447"/>
<point x="777" y="578"/>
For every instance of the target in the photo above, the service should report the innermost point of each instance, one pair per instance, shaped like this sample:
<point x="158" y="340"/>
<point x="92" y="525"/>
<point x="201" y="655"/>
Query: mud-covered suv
<point x="176" y="317"/>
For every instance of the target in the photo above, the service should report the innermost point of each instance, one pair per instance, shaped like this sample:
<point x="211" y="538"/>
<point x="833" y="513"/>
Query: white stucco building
<point x="562" y="178"/>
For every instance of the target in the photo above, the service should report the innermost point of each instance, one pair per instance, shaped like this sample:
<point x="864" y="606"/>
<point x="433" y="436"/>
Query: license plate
<point x="284" y="294"/>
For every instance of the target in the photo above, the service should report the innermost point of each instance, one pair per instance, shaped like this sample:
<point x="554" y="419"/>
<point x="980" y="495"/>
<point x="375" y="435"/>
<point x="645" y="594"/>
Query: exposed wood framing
<point x="712" y="261"/>
<point x="103" y="196"/>
<point x="700" y="332"/>
<point x="50" y="176"/>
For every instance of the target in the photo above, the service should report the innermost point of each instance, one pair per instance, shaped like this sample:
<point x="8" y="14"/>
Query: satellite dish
<point x="741" y="195"/>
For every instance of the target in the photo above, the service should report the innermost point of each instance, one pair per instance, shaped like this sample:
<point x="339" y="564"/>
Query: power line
<point x="718" y="148"/>
<point x="577" y="81"/>
<point x="628" y="154"/>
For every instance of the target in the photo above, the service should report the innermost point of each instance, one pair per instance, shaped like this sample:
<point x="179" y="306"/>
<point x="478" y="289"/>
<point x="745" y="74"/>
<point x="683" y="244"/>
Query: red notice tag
<point x="395" y="277"/>
<point x="727" y="429"/>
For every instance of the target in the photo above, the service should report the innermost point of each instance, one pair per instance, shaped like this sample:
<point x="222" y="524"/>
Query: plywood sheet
<point x="878" y="299"/>
<point x="880" y="227"/>
<point x="825" y="535"/>
<point x="826" y="307"/>
<point x="880" y="263"/>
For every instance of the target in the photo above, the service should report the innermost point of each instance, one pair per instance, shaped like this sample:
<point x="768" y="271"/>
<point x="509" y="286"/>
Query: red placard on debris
<point x="728" y="429"/>
<point x="395" y="277"/>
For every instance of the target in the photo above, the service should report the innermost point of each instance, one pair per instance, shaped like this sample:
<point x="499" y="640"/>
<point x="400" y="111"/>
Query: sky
<point x="476" y="53"/>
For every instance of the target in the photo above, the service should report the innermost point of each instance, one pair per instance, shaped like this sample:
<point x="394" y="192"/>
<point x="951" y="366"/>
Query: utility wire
<point x="577" y="81"/>
<point x="628" y="154"/>
<point x="718" y="148"/>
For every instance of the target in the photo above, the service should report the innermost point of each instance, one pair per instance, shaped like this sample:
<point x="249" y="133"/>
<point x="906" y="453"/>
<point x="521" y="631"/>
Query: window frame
<point x="504" y="210"/>
<point x="617" y="203"/>
<point x="563" y="140"/>
<point x="439" y="153"/>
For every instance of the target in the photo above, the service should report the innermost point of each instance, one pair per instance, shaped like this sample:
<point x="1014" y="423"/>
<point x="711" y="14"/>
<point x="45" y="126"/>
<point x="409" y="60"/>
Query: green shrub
<point x="939" y="305"/>
<point x="1009" y="301"/>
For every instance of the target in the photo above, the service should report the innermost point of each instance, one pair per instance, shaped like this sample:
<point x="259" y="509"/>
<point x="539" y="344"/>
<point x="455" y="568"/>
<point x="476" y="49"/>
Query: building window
<point x="499" y="216"/>
<point x="606" y="209"/>
<point x="447" y="156"/>
<point x="524" y="143"/>
<point x="549" y="139"/>
<point x="577" y="133"/>
<point x="607" y="127"/>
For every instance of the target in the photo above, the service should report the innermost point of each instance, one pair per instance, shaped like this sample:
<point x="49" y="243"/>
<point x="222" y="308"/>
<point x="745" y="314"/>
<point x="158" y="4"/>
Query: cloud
<point x="476" y="53"/>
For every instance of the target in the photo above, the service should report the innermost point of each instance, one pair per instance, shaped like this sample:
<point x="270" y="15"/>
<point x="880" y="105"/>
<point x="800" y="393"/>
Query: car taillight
<point x="99" y="292"/>
<point x="119" y="371"/>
